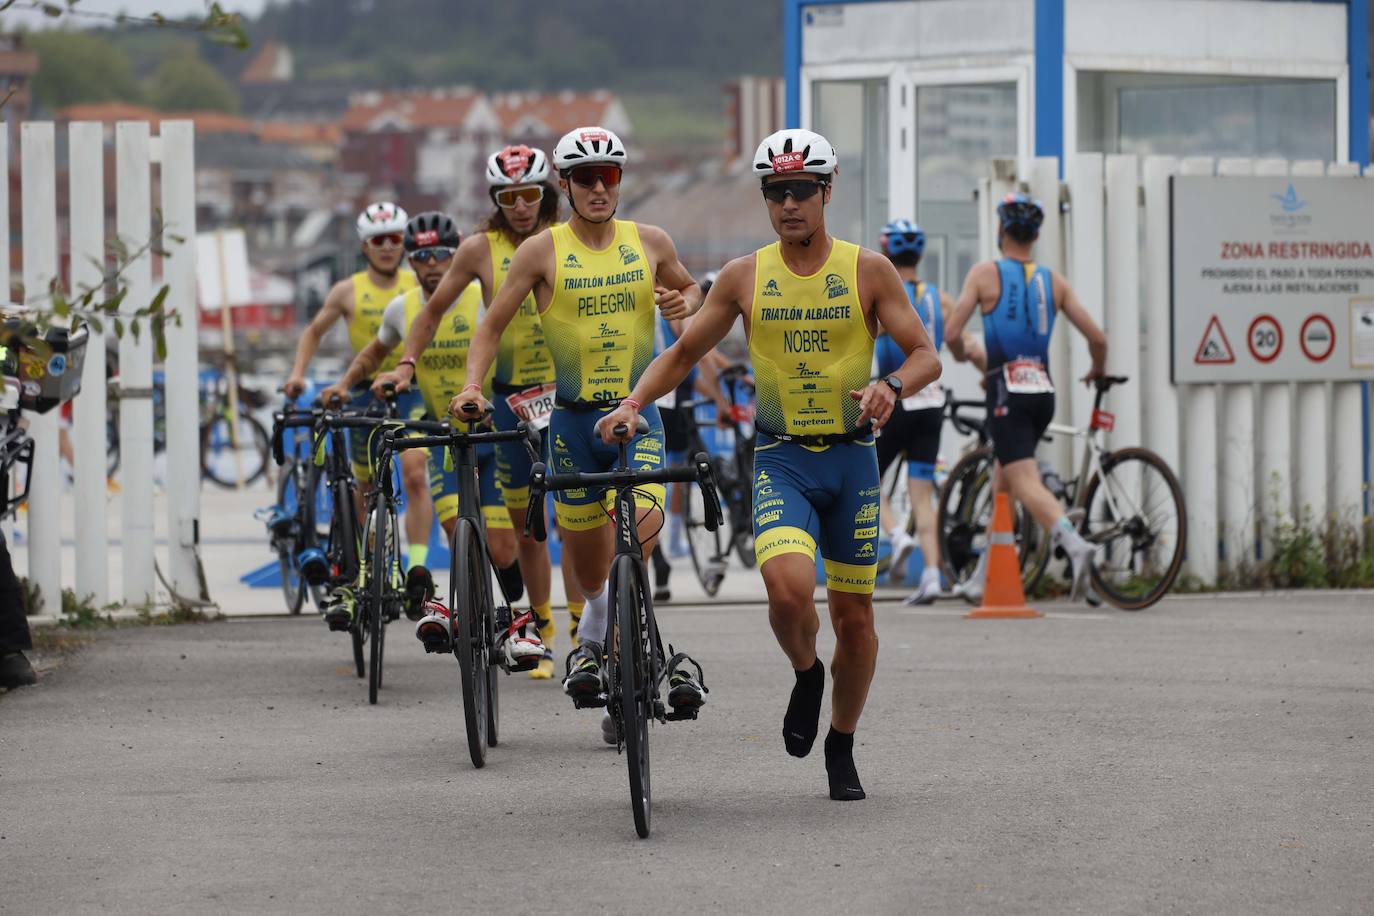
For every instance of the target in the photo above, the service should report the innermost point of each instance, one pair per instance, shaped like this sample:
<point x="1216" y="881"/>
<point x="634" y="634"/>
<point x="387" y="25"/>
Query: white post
<point x="1160" y="408"/>
<point x="86" y="178"/>
<point x="1312" y="415"/>
<point x="1199" y="403"/>
<point x="1347" y="431"/>
<point x="133" y="222"/>
<point x="1238" y="446"/>
<point x="1086" y="193"/>
<point x="1049" y="250"/>
<point x="182" y="363"/>
<point x="39" y="177"/>
<point x="1123" y="310"/>
<point x="1274" y="480"/>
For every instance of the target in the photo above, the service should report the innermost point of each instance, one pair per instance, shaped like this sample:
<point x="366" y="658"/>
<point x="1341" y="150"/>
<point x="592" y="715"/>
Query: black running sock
<point x="803" y="717"/>
<point x="839" y="767"/>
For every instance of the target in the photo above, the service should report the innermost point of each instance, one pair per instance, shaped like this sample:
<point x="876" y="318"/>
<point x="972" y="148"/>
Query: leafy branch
<point x="217" y="25"/>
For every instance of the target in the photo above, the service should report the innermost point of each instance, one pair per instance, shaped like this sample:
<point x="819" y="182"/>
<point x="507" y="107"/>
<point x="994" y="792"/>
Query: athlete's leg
<point x="922" y="493"/>
<point x="419" y="504"/>
<point x="1021" y="481"/>
<point x="856" y="656"/>
<point x="790" y="581"/>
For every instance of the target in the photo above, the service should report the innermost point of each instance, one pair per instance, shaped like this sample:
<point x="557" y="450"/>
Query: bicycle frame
<point x="1093" y="451"/>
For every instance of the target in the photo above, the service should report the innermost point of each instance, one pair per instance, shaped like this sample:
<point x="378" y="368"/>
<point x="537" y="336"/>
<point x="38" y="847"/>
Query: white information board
<point x="1273" y="279"/>
<point x="222" y="269"/>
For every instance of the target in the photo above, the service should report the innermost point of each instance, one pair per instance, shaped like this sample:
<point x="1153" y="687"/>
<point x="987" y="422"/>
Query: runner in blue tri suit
<point x="914" y="428"/>
<point x="1019" y="300"/>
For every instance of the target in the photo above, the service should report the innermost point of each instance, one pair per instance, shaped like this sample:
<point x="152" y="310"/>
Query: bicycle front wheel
<point x="290" y="487"/>
<point x="469" y="587"/>
<point x="964" y="515"/>
<point x="633" y="683"/>
<point x="710" y="549"/>
<point x="1136" y="516"/>
<point x="376" y="588"/>
<point x="222" y="462"/>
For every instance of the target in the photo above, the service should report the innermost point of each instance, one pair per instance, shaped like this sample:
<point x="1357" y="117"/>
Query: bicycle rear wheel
<point x="1136" y="515"/>
<point x="633" y="683"/>
<point x="710" y="549"/>
<point x="963" y="517"/>
<point x="290" y="487"/>
<point x="218" y="459"/>
<point x="469" y="585"/>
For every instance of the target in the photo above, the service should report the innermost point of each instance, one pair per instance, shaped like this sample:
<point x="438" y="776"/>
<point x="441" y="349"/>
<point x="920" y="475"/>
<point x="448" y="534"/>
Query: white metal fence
<point x="137" y="154"/>
<point x="1247" y="454"/>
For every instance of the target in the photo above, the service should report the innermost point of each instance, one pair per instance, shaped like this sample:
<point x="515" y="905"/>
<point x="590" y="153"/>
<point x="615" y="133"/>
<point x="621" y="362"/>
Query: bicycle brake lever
<point x="534" y="515"/>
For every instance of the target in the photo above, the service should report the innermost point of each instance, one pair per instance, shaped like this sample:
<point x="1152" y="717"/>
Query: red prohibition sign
<point x="1330" y="341"/>
<point x="1265" y="338"/>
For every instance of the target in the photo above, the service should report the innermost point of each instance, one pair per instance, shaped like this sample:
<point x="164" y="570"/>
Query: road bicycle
<point x="635" y="665"/>
<point x="1127" y="502"/>
<point x="479" y="627"/>
<point x="298" y="523"/>
<point x="734" y="474"/>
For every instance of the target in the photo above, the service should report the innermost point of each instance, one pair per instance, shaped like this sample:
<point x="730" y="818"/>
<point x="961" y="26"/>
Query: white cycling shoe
<point x="902" y="545"/>
<point x="523" y="652"/>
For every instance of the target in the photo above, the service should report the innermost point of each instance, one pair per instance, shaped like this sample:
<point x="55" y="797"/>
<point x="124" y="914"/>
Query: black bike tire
<point x="343" y="556"/>
<point x="634" y="693"/>
<point x="971" y="466"/>
<point x="466" y="594"/>
<point x="262" y="444"/>
<point x="293" y="585"/>
<point x="374" y="607"/>
<point x="1166" y="582"/>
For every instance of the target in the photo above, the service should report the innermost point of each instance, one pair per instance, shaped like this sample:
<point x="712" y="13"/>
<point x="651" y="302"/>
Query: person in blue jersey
<point x="913" y="430"/>
<point x="1019" y="300"/>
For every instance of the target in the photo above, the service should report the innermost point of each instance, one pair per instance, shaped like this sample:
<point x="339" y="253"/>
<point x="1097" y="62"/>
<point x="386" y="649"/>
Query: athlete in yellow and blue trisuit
<point x="811" y="306"/>
<point x="599" y="283"/>
<point x="430" y="240"/>
<point x="525" y="203"/>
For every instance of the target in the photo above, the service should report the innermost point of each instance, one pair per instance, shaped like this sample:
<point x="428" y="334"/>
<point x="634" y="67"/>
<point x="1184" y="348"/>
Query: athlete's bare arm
<point x="338" y="304"/>
<point x="675" y="292"/>
<point x="973" y="350"/>
<point x="711" y="323"/>
<point x="472" y="261"/>
<point x="884" y="298"/>
<point x="1072" y="308"/>
<point x="363" y="366"/>
<point x="529" y="267"/>
<point x="981" y="283"/>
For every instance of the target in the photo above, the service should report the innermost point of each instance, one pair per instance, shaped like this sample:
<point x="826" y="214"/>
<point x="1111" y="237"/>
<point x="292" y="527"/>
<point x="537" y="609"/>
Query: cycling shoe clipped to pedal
<point x="518" y="652"/>
<point x="686" y="694"/>
<point x="277" y="520"/>
<point x="313" y="566"/>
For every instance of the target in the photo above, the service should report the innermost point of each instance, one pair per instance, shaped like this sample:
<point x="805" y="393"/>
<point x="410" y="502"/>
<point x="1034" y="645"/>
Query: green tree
<point x="80" y="66"/>
<point x="187" y="83"/>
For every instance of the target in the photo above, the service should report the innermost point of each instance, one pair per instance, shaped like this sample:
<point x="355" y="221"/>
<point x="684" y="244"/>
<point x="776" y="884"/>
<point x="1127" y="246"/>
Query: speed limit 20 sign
<point x="1265" y="338"/>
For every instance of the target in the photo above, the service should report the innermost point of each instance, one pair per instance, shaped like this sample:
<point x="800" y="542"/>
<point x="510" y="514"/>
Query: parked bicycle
<point x="734" y="474"/>
<point x="299" y="522"/>
<point x="636" y="666"/>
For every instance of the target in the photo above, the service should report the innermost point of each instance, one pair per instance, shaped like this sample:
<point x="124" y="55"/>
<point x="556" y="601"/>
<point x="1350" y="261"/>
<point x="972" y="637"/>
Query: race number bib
<point x="1027" y="376"/>
<point x="931" y="397"/>
<point x="534" y="405"/>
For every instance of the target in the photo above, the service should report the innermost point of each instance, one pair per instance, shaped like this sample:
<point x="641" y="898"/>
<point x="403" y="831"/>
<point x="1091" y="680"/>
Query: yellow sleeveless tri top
<point x="369" y="302"/>
<point x="522" y="359"/>
<point x="809" y="343"/>
<point x="599" y="323"/>
<point x="442" y="367"/>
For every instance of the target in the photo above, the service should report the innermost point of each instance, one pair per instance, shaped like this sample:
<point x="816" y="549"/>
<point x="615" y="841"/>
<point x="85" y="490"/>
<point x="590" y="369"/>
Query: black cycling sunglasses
<point x="800" y="190"/>
<point x="425" y="255"/>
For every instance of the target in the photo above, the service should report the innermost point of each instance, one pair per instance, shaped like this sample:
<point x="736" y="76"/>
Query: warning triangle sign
<point x="1215" y="348"/>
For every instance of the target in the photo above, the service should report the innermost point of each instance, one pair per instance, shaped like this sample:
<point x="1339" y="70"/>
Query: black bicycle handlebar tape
<point x="706" y="480"/>
<point x="534" y="514"/>
<point x="533" y="440"/>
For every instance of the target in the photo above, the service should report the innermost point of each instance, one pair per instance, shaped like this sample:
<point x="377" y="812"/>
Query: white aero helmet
<point x="795" y="150"/>
<point x="517" y="165"/>
<point x="588" y="146"/>
<point x="381" y="218"/>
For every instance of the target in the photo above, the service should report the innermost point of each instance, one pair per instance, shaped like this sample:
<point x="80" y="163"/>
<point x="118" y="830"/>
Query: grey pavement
<point x="1206" y="756"/>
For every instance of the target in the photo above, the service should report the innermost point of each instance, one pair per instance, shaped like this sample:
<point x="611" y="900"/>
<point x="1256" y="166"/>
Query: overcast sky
<point x="140" y="8"/>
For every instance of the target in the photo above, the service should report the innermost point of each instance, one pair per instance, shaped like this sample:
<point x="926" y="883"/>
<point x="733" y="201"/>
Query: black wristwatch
<point x="894" y="383"/>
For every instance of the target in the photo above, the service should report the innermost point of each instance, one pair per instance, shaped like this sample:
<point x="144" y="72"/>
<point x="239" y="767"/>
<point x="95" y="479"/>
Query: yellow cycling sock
<point x="417" y="555"/>
<point x="543" y="614"/>
<point x="575" y="616"/>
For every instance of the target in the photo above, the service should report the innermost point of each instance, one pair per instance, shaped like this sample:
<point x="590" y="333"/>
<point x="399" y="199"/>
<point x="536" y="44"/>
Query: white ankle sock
<point x="593" y="625"/>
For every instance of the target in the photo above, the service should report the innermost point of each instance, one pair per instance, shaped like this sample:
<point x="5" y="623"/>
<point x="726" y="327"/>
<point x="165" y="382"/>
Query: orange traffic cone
<point x="1003" y="597"/>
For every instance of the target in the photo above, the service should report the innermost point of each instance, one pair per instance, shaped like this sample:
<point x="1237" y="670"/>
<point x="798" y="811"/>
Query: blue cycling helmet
<point x="902" y="236"/>
<point x="1022" y="212"/>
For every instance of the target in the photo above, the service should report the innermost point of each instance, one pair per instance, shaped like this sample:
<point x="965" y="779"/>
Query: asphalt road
<point x="1207" y="756"/>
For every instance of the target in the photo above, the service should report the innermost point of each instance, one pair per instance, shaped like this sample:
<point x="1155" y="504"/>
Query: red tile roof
<point x="262" y="68"/>
<point x="304" y="133"/>
<point x="206" y="122"/>
<point x="417" y="109"/>
<point x="558" y="112"/>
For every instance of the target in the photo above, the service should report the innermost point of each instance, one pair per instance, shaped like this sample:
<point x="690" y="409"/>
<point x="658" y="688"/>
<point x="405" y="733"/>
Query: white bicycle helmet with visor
<point x="795" y="150"/>
<point x="517" y="165"/>
<point x="588" y="146"/>
<point x="382" y="218"/>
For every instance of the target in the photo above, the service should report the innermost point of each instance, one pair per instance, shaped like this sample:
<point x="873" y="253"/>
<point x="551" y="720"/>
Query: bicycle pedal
<point x="525" y="665"/>
<point x="594" y="701"/>
<point x="682" y="715"/>
<point x="436" y="647"/>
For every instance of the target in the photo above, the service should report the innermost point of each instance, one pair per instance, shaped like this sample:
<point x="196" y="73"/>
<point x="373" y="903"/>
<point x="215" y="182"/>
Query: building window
<point x="1177" y="115"/>
<point x="852" y="115"/>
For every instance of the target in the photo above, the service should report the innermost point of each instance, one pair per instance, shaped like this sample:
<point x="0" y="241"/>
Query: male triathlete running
<point x="1018" y="300"/>
<point x="360" y="301"/>
<point x="430" y="241"/>
<point x="525" y="203"/>
<point x="599" y="283"/>
<point x="811" y="305"/>
<point x="913" y="430"/>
